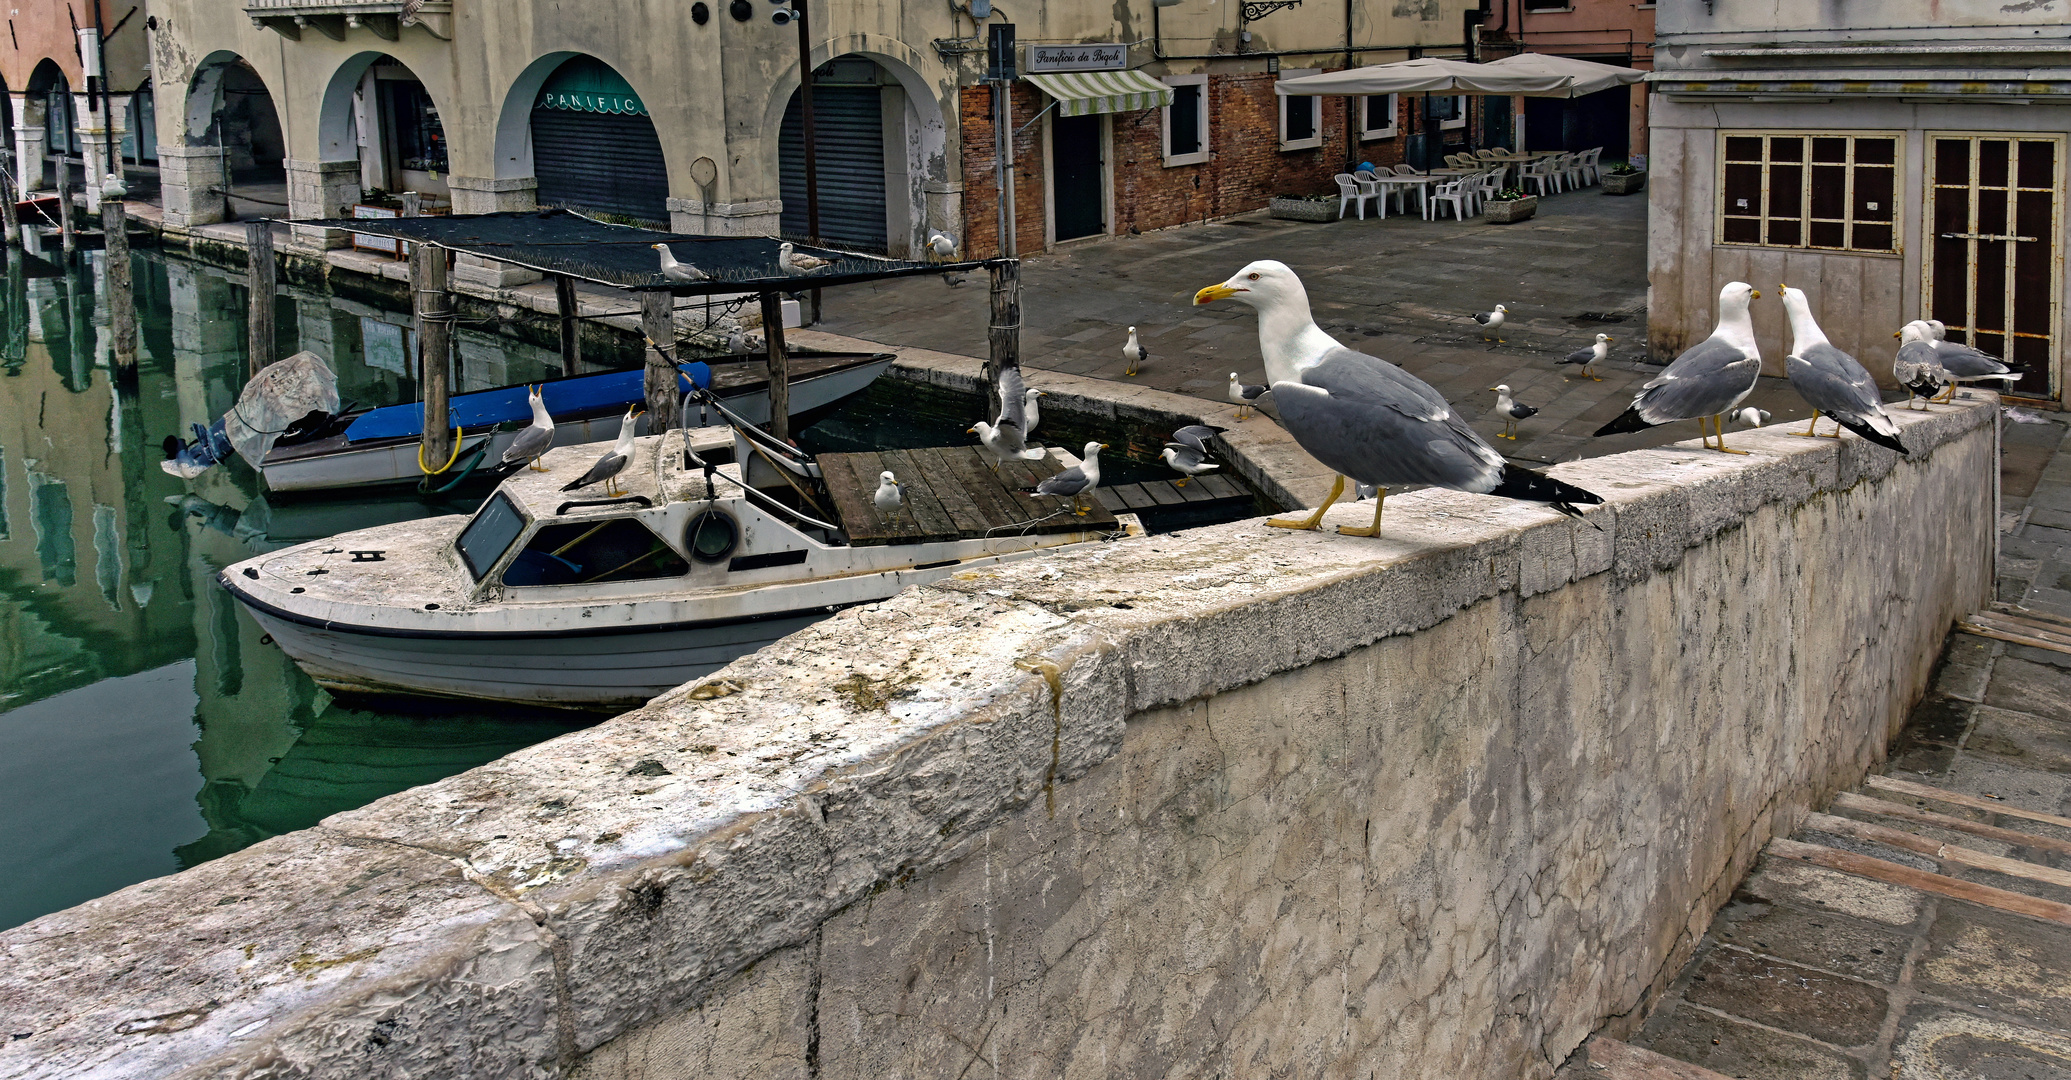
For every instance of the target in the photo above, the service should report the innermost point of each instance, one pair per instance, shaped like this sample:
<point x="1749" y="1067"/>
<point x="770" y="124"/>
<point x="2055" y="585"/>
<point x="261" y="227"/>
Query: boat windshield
<point x="489" y="535"/>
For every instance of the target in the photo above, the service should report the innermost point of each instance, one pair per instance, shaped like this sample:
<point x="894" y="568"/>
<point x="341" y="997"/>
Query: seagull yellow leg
<point x="1811" y="430"/>
<point x="1380" y="496"/>
<point x="1701" y="431"/>
<point x="1315" y="519"/>
<point x="1718" y="424"/>
<point x="1181" y="482"/>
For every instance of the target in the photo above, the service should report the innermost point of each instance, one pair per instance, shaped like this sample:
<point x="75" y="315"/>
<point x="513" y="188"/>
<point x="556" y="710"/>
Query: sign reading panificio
<point x="1110" y="57"/>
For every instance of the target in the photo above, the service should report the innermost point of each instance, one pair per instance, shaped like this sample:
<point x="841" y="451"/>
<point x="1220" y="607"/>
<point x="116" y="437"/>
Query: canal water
<point x="146" y="723"/>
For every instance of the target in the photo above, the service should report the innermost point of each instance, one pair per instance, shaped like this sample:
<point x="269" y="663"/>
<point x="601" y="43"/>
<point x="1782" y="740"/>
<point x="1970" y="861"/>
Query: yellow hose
<point x="427" y="470"/>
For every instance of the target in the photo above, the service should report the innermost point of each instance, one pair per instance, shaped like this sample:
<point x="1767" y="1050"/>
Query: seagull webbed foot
<point x="1314" y="520"/>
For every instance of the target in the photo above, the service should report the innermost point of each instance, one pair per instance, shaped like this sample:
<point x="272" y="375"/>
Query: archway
<point x="879" y="135"/>
<point x="592" y="145"/>
<point x="49" y="91"/>
<point x="378" y="112"/>
<point x="230" y="109"/>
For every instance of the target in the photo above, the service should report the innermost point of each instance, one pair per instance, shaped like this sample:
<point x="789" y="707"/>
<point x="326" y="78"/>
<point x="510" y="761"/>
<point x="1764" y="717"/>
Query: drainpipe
<point x="1352" y="103"/>
<point x="812" y="157"/>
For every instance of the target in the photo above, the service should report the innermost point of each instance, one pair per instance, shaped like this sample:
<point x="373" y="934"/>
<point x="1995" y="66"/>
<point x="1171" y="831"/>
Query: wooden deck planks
<point x="1897" y="874"/>
<point x="949" y="493"/>
<point x="1957" y="798"/>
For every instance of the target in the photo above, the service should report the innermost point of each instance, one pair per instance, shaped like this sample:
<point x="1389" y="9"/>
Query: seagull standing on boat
<point x="1831" y="381"/>
<point x="1134" y="352"/>
<point x="1588" y="356"/>
<point x="1917" y="367"/>
<point x="1751" y="417"/>
<point x="534" y="441"/>
<point x="1075" y="481"/>
<point x="1245" y="395"/>
<point x="795" y="262"/>
<point x="1492" y="322"/>
<point x="889" y="498"/>
<point x="613" y="463"/>
<point x="1364" y="417"/>
<point x="678" y="271"/>
<point x="996" y="442"/>
<point x="1511" y="411"/>
<point x="1710" y="379"/>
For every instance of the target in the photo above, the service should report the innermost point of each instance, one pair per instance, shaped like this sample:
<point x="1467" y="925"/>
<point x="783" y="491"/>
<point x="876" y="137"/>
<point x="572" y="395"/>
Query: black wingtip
<point x="1529" y="486"/>
<point x="1872" y="434"/>
<point x="1628" y="421"/>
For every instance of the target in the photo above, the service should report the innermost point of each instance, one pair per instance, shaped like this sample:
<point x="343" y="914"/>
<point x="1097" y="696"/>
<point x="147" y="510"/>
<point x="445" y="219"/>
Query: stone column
<point x="325" y="189"/>
<point x="190" y="184"/>
<point x="95" y="128"/>
<point x="29" y="116"/>
<point x="482" y="195"/>
<point x="763" y="217"/>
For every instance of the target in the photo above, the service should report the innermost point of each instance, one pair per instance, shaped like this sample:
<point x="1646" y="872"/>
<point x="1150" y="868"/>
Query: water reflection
<point x="147" y="724"/>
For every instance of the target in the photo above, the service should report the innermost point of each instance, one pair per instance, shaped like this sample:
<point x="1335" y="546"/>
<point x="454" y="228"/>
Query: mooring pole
<point x="10" y="219"/>
<point x="122" y="301"/>
<point x="1004" y="333"/>
<point x="658" y="322"/>
<point x="65" y="226"/>
<point x="260" y="287"/>
<point x="433" y="307"/>
<point x="566" y="307"/>
<point x="812" y="155"/>
<point x="779" y="366"/>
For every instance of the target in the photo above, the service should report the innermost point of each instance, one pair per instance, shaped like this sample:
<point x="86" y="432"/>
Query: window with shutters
<point x="1377" y="117"/>
<point x="1300" y="117"/>
<point x="1832" y="192"/>
<point x="1186" y="120"/>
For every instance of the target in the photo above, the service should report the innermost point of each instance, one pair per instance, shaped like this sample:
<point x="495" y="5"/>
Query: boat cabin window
<point x="591" y="552"/>
<point x="489" y="535"/>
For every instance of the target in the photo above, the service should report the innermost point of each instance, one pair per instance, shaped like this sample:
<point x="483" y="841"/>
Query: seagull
<point x="1918" y="367"/>
<point x="1710" y="379"/>
<point x="888" y="498"/>
<point x="1511" y="412"/>
<point x="1831" y="381"/>
<point x="534" y="441"/>
<point x="795" y="263"/>
<point x="737" y="341"/>
<point x="997" y="442"/>
<point x="678" y="271"/>
<point x="613" y="463"/>
<point x="1751" y="417"/>
<point x="1966" y="364"/>
<point x="1246" y="395"/>
<point x="1364" y="417"/>
<point x="1075" y="481"/>
<point x="1592" y="354"/>
<point x="1185" y="460"/>
<point x="1135" y="352"/>
<point x="1011" y="428"/>
<point x="1492" y="322"/>
<point x="1196" y="436"/>
<point x="1030" y="413"/>
<point x="941" y="245"/>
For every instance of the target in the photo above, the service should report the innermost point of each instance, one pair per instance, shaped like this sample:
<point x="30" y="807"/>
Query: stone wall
<point x="1234" y="802"/>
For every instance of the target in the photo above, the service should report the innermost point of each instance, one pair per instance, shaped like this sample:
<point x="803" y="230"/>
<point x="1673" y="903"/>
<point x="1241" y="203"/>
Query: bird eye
<point x="1254" y="277"/>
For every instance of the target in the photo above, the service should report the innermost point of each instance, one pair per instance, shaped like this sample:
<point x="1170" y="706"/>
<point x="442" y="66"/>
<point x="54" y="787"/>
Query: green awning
<point x="586" y="84"/>
<point x="1082" y="93"/>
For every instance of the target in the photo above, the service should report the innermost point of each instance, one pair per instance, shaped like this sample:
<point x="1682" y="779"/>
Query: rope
<point x="428" y="470"/>
<point x="473" y="460"/>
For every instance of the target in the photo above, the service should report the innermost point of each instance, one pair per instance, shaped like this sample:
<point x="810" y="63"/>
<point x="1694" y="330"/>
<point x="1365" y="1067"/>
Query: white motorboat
<point x="584" y="600"/>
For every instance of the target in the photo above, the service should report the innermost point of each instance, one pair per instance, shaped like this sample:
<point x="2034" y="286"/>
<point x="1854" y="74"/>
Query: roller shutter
<point x="593" y="161"/>
<point x="848" y="130"/>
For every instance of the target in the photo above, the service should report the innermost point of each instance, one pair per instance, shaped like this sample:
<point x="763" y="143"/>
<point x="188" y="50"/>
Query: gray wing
<point x="529" y="444"/>
<point x="1069" y="482"/>
<point x="1185" y="457"/>
<point x="1915" y="361"/>
<point x="1380" y="425"/>
<point x="1009" y="435"/>
<point x="1964" y="362"/>
<point x="1580" y="356"/>
<point x="1013" y="402"/>
<point x="1195" y="436"/>
<point x="1708" y="379"/>
<point x="605" y="468"/>
<point x="1832" y="382"/>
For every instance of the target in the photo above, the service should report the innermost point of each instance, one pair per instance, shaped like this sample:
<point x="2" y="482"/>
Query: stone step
<point x="1614" y="1060"/>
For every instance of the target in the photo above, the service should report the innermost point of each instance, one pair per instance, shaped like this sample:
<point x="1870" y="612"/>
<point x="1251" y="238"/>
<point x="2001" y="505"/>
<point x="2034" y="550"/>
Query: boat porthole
<point x="711" y="536"/>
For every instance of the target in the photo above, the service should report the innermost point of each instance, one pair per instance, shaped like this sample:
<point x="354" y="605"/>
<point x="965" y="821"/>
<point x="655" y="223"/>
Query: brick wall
<point x="1246" y="170"/>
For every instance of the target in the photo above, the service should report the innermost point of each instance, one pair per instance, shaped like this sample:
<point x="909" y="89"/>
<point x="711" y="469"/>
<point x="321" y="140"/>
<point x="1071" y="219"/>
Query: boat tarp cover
<point x="486" y="408"/>
<point x="623" y="257"/>
<point x="276" y="397"/>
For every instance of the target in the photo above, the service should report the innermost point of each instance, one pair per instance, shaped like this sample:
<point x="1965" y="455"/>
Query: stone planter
<point x="1505" y="211"/>
<point x="1624" y="183"/>
<point x="1305" y="209"/>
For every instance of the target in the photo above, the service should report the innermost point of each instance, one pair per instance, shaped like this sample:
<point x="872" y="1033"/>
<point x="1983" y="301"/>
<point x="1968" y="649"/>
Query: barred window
<point x="1809" y="190"/>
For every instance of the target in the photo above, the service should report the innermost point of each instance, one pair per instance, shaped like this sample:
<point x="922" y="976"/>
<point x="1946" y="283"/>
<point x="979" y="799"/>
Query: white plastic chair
<point x="1372" y="188"/>
<point x="1349" y="193"/>
<point x="1408" y="170"/>
<point x="1491" y="186"/>
<point x="1454" y="193"/>
<point x="1485" y="155"/>
<point x="1591" y="172"/>
<point x="1540" y="175"/>
<point x="1572" y="172"/>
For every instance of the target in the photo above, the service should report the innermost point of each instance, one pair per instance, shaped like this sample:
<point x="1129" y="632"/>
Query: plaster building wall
<point x="1232" y="801"/>
<point x="1618" y="32"/>
<point x="41" y="52"/>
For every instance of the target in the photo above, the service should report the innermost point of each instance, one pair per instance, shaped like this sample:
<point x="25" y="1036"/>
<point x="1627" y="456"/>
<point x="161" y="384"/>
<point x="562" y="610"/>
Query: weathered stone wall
<point x="1300" y="805"/>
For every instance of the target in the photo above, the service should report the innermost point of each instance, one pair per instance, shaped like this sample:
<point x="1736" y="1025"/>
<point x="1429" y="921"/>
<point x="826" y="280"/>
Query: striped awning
<point x="1082" y="93"/>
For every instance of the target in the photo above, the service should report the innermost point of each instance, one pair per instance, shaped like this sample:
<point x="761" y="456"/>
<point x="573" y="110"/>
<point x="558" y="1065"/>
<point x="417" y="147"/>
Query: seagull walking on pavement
<point x="614" y="462"/>
<point x="1589" y="355"/>
<point x="1134" y="352"/>
<point x="1709" y="380"/>
<point x="1075" y="481"/>
<point x="1511" y="411"/>
<point x="534" y="441"/>
<point x="1831" y="381"/>
<point x="678" y="271"/>
<point x="1492" y="322"/>
<point x="1245" y="395"/>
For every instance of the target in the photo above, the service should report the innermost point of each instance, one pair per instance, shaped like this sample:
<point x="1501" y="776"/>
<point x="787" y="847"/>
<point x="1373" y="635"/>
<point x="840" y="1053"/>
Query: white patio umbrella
<point x="1428" y="75"/>
<point x="1584" y="76"/>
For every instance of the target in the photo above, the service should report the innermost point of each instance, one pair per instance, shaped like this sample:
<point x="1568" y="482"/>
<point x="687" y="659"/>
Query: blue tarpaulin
<point x="585" y="394"/>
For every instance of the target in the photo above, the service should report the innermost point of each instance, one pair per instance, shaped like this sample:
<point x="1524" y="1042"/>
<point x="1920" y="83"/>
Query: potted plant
<point x="1305" y="207"/>
<point x="1623" y="179"/>
<point x="1510" y="204"/>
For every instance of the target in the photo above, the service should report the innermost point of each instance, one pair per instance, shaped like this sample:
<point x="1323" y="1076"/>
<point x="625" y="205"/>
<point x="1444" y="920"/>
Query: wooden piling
<point x="433" y="307"/>
<point x="779" y="366"/>
<point x="66" y="229"/>
<point x="570" y="311"/>
<point x="658" y="323"/>
<point x="260" y="287"/>
<point x="1004" y="333"/>
<point x="10" y="216"/>
<point x="122" y="301"/>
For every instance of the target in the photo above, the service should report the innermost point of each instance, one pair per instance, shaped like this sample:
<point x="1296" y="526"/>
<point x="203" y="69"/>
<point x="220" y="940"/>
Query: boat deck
<point x="951" y="493"/>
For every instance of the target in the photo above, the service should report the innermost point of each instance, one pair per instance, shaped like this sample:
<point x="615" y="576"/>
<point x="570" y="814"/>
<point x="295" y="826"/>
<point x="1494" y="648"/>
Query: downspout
<point x="1352" y="102"/>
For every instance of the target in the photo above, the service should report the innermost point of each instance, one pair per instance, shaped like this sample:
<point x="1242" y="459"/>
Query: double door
<point x="1992" y="267"/>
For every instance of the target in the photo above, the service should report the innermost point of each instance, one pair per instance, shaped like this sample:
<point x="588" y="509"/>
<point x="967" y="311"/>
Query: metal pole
<point x="259" y="287"/>
<point x="1013" y="247"/>
<point x="1004" y="334"/>
<point x="433" y="307"/>
<point x="122" y="301"/>
<point x="658" y="322"/>
<point x="999" y="159"/>
<point x="566" y="306"/>
<point x="812" y="153"/>
<point x="779" y="366"/>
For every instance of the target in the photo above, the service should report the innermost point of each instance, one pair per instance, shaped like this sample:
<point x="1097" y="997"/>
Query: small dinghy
<point x="581" y="600"/>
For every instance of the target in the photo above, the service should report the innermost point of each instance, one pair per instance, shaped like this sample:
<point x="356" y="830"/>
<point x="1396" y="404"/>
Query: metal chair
<point x="1349" y="192"/>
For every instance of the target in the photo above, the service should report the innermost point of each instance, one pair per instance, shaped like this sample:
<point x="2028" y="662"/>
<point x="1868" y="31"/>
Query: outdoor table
<point x="1420" y="183"/>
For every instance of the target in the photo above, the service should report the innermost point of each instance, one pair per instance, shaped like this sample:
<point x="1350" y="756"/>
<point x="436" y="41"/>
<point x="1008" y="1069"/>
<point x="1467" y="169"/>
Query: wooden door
<point x="1993" y="267"/>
